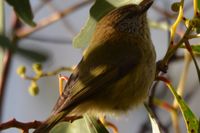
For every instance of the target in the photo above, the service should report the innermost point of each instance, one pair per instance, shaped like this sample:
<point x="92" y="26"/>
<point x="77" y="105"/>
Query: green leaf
<point x="199" y="126"/>
<point x="98" y="10"/>
<point x="198" y="4"/>
<point x="23" y="10"/>
<point x="5" y="43"/>
<point x="94" y="125"/>
<point x="87" y="124"/>
<point x="78" y="126"/>
<point x="197" y="30"/>
<point x="154" y="124"/>
<point x="190" y="119"/>
<point x="196" y="49"/>
<point x="31" y="54"/>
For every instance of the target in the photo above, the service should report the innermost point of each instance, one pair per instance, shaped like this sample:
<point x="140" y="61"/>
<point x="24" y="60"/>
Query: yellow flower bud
<point x="21" y="70"/>
<point x="175" y="6"/>
<point x="33" y="89"/>
<point x="37" y="68"/>
<point x="195" y="22"/>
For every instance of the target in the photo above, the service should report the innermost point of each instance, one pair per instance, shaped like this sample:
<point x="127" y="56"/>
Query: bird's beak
<point x="145" y="5"/>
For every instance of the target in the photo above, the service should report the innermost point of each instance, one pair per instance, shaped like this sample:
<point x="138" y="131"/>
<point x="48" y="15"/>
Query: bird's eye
<point x="123" y="26"/>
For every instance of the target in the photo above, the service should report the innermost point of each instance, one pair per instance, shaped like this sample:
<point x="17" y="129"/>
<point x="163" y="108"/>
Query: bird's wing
<point x="83" y="84"/>
<point x="78" y="89"/>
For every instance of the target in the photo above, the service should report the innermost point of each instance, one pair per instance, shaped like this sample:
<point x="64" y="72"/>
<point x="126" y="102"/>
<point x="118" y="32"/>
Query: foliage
<point x="23" y="10"/>
<point x="99" y="9"/>
<point x="27" y="53"/>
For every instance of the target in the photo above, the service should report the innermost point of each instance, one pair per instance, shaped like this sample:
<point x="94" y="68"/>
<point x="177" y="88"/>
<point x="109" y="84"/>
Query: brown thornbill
<point x="116" y="70"/>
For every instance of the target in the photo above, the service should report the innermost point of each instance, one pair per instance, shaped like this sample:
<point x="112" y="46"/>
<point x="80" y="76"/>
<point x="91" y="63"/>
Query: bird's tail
<point x="50" y="122"/>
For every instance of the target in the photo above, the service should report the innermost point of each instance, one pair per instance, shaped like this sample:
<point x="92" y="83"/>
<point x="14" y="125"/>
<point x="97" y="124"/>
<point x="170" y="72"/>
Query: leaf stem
<point x="193" y="36"/>
<point x="172" y="50"/>
<point x="195" y="6"/>
<point x="176" y="23"/>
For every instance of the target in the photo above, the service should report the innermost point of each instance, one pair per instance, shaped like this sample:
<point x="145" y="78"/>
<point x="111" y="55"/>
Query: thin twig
<point x="7" y="61"/>
<point x="24" y="32"/>
<point x="167" y="14"/>
<point x="5" y="67"/>
<point x="2" y="32"/>
<point x="163" y="104"/>
<point x="51" y="40"/>
<point x="47" y="74"/>
<point x="25" y="126"/>
<point x="68" y="26"/>
<point x="175" y="121"/>
<point x="181" y="85"/>
<point x="180" y="90"/>
<point x="21" y="125"/>
<point x="164" y="12"/>
<point x="193" y="36"/>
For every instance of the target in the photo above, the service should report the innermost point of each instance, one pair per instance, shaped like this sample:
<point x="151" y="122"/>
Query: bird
<point x="116" y="71"/>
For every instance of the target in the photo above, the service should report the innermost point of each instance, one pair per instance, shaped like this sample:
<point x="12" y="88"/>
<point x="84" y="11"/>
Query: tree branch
<point x="24" y="32"/>
<point x="21" y="125"/>
<point x="25" y="126"/>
